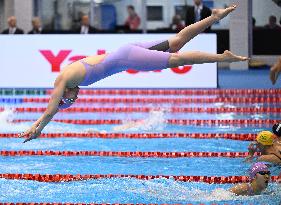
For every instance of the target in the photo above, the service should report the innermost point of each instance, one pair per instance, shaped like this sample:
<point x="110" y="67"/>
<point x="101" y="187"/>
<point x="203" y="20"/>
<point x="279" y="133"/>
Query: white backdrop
<point x="34" y="61"/>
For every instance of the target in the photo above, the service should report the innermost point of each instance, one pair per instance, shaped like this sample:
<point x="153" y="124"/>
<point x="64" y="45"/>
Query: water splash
<point x="155" y="121"/>
<point x="6" y="124"/>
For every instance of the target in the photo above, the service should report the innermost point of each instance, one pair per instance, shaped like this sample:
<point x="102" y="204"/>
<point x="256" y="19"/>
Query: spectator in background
<point x="196" y="13"/>
<point x="36" y="26"/>
<point x="13" y="29"/>
<point x="253" y="22"/>
<point x="85" y="27"/>
<point x="272" y="23"/>
<point x="177" y="24"/>
<point x="133" y="20"/>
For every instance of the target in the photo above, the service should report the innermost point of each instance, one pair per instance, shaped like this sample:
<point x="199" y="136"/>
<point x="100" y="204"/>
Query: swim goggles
<point x="264" y="172"/>
<point x="66" y="103"/>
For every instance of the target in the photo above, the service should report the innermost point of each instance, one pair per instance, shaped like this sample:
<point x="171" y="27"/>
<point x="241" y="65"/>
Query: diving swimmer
<point x="146" y="56"/>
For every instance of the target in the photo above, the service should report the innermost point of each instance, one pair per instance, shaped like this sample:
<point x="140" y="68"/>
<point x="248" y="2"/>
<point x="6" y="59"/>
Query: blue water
<point x="128" y="190"/>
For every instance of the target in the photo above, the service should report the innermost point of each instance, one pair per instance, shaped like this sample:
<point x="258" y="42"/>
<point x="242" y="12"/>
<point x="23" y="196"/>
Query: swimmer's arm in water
<point x="51" y="110"/>
<point x="239" y="189"/>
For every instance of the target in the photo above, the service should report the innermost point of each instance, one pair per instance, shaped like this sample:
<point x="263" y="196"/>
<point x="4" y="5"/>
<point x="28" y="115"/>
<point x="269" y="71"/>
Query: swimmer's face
<point x="262" y="179"/>
<point x="71" y="93"/>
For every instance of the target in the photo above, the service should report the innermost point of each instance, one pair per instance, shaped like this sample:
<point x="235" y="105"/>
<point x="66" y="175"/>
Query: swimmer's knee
<point x="176" y="60"/>
<point x="175" y="43"/>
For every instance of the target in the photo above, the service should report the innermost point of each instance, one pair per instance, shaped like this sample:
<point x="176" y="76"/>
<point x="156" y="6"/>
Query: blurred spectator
<point x="133" y="20"/>
<point x="196" y="13"/>
<point x="253" y="22"/>
<point x="177" y="24"/>
<point x="85" y="27"/>
<point x="12" y="23"/>
<point x="36" y="26"/>
<point x="272" y="23"/>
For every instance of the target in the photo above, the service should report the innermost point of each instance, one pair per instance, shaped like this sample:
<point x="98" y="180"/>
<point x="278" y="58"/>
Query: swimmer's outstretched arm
<point x="239" y="189"/>
<point x="51" y="110"/>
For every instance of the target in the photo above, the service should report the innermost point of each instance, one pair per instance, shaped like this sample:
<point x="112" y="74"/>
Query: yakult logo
<point x="56" y="61"/>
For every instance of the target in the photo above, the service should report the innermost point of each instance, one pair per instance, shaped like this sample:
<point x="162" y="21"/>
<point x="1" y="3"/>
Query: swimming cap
<point x="265" y="138"/>
<point x="257" y="167"/>
<point x="65" y="103"/>
<point x="276" y="129"/>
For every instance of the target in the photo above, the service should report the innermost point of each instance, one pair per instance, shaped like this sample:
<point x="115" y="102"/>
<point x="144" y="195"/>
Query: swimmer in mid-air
<point x="145" y="56"/>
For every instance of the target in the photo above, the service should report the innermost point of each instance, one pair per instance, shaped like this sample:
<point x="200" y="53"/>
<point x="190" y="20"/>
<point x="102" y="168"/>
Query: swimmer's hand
<point x="248" y="159"/>
<point x="31" y="134"/>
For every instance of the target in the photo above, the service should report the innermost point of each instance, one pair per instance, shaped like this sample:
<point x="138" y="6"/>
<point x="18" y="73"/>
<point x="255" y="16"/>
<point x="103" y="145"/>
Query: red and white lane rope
<point x="240" y="122"/>
<point x="177" y="92"/>
<point x="123" y="154"/>
<point x="79" y="177"/>
<point x="163" y="100"/>
<point x="148" y="109"/>
<point x="232" y="136"/>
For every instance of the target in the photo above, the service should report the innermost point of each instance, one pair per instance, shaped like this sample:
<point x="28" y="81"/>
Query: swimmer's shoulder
<point x="240" y="189"/>
<point x="95" y="59"/>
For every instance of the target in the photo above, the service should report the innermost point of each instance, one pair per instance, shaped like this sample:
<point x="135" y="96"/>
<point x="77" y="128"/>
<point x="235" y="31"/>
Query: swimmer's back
<point x="76" y="71"/>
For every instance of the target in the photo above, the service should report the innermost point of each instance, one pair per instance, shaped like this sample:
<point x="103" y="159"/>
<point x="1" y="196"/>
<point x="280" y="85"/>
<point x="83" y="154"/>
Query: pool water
<point x="130" y="190"/>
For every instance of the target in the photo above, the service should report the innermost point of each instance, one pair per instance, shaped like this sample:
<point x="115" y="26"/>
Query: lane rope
<point x="232" y="122"/>
<point x="134" y="154"/>
<point x="153" y="100"/>
<point x="79" y="177"/>
<point x="253" y="110"/>
<point x="232" y="136"/>
<point x="95" y="91"/>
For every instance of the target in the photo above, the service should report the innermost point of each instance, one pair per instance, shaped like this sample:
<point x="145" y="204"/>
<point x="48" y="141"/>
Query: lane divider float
<point x="231" y="136"/>
<point x="217" y="122"/>
<point x="254" y="110"/>
<point x="241" y="100"/>
<point x="151" y="154"/>
<point x="79" y="177"/>
<point x="230" y="92"/>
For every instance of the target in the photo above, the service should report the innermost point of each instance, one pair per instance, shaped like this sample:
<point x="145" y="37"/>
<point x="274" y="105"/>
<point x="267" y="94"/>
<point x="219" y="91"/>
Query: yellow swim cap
<point x="265" y="138"/>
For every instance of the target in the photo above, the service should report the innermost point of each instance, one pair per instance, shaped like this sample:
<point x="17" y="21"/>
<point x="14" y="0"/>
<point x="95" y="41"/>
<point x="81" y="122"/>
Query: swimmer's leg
<point x="142" y="59"/>
<point x="197" y="57"/>
<point x="185" y="35"/>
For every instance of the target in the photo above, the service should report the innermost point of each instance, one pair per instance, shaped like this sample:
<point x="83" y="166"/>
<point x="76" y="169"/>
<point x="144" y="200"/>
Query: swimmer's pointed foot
<point x="227" y="56"/>
<point x="275" y="71"/>
<point x="221" y="13"/>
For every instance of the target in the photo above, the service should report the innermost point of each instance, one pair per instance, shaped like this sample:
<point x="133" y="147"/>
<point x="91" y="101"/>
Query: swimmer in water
<point x="146" y="56"/>
<point x="259" y="177"/>
<point x="265" y="145"/>
<point x="276" y="129"/>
